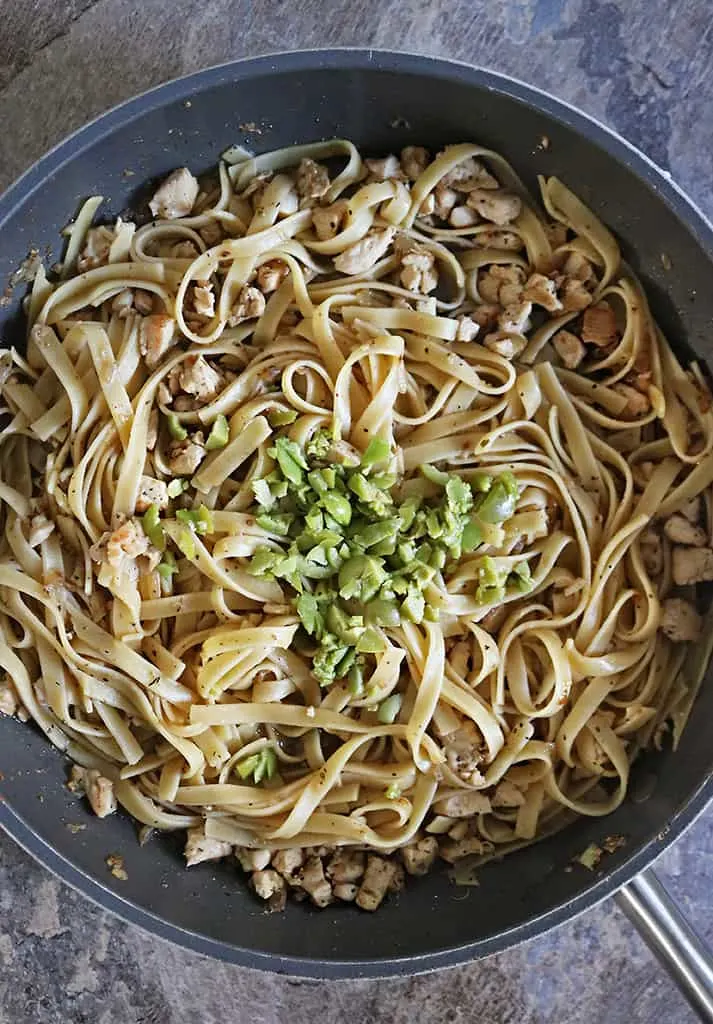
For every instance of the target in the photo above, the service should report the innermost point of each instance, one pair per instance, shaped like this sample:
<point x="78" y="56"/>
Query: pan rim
<point x="344" y="59"/>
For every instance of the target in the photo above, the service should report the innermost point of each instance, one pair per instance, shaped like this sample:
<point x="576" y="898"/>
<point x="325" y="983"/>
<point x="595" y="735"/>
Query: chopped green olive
<point x="389" y="709"/>
<point x="175" y="428"/>
<point x="219" y="433"/>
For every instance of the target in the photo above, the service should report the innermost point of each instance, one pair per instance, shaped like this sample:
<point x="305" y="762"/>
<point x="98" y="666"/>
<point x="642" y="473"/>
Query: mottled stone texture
<point x="638" y="65"/>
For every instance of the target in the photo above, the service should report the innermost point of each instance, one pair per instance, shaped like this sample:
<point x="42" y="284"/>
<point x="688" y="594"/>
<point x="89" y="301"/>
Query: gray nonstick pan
<point x="382" y="101"/>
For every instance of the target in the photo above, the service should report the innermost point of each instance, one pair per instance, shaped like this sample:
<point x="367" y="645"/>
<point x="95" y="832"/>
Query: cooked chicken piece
<point x="459" y="848"/>
<point x="462" y="217"/>
<point x="157" y="334"/>
<point x="681" y="623"/>
<point x="515" y="317"/>
<point x="312" y="179"/>
<point x="95" y="253"/>
<point x="346" y="865"/>
<point x="651" y="552"/>
<point x="542" y="291"/>
<point x="211" y="233"/>
<point x="574" y="296"/>
<point x="313" y="881"/>
<point x="40" y="529"/>
<point x="467" y="329"/>
<point x="507" y="795"/>
<point x="507" y="347"/>
<point x="200" y="848"/>
<point x="184" y="457"/>
<point x="252" y="860"/>
<point x="459" y="830"/>
<point x="496" y="206"/>
<point x="682" y="531"/>
<point x="270" y="275"/>
<point x="289" y="863"/>
<point x="468" y="175"/>
<point x="251" y="304"/>
<point x="428" y="206"/>
<point x="692" y="509"/>
<point x="100" y="793"/>
<point x="414" y="161"/>
<point x="494" y="239"/>
<point x="485" y="316"/>
<point x="151" y="492"/>
<point x="128" y="539"/>
<point x="501" y="285"/>
<point x="204" y="299"/>
<point x="418" y="264"/>
<point x="123" y="303"/>
<point x="420" y="856"/>
<point x="599" y="325"/>
<point x="8" y="697"/>
<point x="197" y="377"/>
<point x="463" y="804"/>
<point x="152" y="432"/>
<point x="185" y="250"/>
<point x="444" y="200"/>
<point x="692" y="565"/>
<point x="636" y="403"/>
<point x="578" y="266"/>
<point x="270" y="886"/>
<point x="328" y="221"/>
<point x="346" y="891"/>
<point x="464" y="752"/>
<point x="143" y="302"/>
<point x="362" y="255"/>
<point x="384" y="169"/>
<point x="378" y="877"/>
<point x="176" y="196"/>
<point x="569" y="348"/>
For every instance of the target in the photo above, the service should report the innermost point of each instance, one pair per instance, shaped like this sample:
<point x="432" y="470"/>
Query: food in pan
<point x="353" y="515"/>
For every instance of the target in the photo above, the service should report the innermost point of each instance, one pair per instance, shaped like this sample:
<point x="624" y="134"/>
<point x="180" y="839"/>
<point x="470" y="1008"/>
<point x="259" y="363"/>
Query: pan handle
<point x="671" y="938"/>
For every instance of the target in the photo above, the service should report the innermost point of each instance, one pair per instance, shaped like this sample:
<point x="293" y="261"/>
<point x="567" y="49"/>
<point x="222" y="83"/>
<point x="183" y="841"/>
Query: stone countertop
<point x="639" y="66"/>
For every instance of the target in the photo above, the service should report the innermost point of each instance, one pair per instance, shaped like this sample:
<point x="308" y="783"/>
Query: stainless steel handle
<point x="671" y="938"/>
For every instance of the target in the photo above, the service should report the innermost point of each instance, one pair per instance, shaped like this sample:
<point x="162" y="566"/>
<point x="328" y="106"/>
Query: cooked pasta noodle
<point x="355" y="506"/>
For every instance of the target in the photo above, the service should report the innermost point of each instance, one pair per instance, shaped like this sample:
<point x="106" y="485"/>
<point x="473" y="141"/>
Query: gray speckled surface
<point x="641" y="66"/>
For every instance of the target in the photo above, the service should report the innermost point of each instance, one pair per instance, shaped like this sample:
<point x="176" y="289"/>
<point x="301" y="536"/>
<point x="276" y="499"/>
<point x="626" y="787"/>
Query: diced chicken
<point x="574" y="296"/>
<point x="346" y="865"/>
<point x="651" y="552"/>
<point x="485" y="316"/>
<point x="250" y="305"/>
<point x="314" y="882"/>
<point x="468" y="175"/>
<point x="289" y="863"/>
<point x="157" y="334"/>
<point x="578" y="266"/>
<point x="444" y="200"/>
<point x="459" y="830"/>
<point x="200" y="848"/>
<point x="378" y="877"/>
<point x="692" y="565"/>
<point x="682" y="531"/>
<point x="501" y="284"/>
<point x="636" y="403"/>
<point x="464" y="752"/>
<point x="569" y="348"/>
<point x="362" y="255"/>
<point x="151" y="492"/>
<point x="40" y="529"/>
<point x="414" y="161"/>
<point x="176" y="196"/>
<point x="496" y="206"/>
<point x="542" y="291"/>
<point x="270" y="886"/>
<point x="100" y="793"/>
<point x="505" y="346"/>
<point x="270" y="275"/>
<point x="398" y="879"/>
<point x="127" y="540"/>
<point x="428" y="206"/>
<point x="123" y="303"/>
<point x="211" y="233"/>
<point x="185" y="250"/>
<point x="462" y="217"/>
<point x="680" y="622"/>
<point x="143" y="302"/>
<point x="692" y="509"/>
<point x="204" y="299"/>
<point x="556" y="233"/>
<point x="184" y="457"/>
<point x="197" y="377"/>
<point x="384" y="169"/>
<point x="152" y="432"/>
<point x="463" y="804"/>
<point x="95" y="253"/>
<point x="418" y="264"/>
<point x="491" y="238"/>
<point x="455" y="850"/>
<point x="252" y="860"/>
<point x="515" y="317"/>
<point x="419" y="857"/>
<point x="328" y="221"/>
<point x="599" y="325"/>
<point x="507" y="795"/>
<point x="8" y="697"/>
<point x="346" y="891"/>
<point x="467" y="329"/>
<point x="312" y="179"/>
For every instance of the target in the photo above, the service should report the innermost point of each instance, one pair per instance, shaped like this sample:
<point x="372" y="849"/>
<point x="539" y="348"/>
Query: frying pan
<point x="382" y="101"/>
